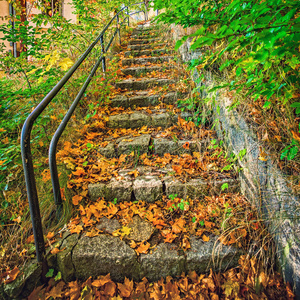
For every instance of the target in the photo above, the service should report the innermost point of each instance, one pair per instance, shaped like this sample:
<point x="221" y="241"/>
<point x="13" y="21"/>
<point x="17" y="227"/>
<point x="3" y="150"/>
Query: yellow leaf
<point x="125" y="230"/>
<point x="66" y="63"/>
<point x="18" y="219"/>
<point x="262" y="155"/>
<point x="30" y="72"/>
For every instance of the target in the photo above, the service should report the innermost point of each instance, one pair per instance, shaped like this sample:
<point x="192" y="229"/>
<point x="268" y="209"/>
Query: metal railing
<point x="29" y="122"/>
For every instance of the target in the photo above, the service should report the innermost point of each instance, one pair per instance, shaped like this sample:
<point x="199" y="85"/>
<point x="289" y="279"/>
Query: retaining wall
<point x="261" y="181"/>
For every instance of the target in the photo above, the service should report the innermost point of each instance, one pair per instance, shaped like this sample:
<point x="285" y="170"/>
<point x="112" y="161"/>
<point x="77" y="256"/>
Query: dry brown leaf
<point x="12" y="275"/>
<point x="143" y="248"/>
<point x="126" y="288"/>
<point x="101" y="281"/>
<point x="76" y="199"/>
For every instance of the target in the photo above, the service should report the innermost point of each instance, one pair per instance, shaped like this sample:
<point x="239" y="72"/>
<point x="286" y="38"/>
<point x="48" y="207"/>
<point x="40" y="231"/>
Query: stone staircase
<point x="81" y="256"/>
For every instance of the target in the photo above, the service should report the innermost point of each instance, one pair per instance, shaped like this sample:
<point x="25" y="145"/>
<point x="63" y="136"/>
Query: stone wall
<point x="261" y="181"/>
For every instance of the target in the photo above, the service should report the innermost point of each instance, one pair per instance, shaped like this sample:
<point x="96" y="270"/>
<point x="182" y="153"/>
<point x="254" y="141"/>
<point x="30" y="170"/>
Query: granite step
<point x="145" y="47"/>
<point x="137" y="119"/>
<point x="155" y="52"/>
<point x="144" y="84"/>
<point x="144" y="35"/>
<point x="151" y="185"/>
<point x="81" y="257"/>
<point x="143" y="99"/>
<point x="146" y="60"/>
<point x="139" y="71"/>
<point x="144" y="41"/>
<point x="149" y="144"/>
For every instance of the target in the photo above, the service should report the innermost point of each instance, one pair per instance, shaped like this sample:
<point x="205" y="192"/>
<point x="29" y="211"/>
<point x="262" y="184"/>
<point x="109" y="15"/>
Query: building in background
<point x="64" y="8"/>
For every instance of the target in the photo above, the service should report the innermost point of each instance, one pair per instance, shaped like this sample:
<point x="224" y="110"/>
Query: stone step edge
<point x="151" y="188"/>
<point x="144" y="143"/>
<point x="139" y="119"/>
<point x="146" y="46"/>
<point x="143" y="60"/>
<point x="146" y="83"/>
<point x="147" y="52"/>
<point x="138" y="71"/>
<point x="146" y="100"/>
<point x="143" y="41"/>
<point x="81" y="257"/>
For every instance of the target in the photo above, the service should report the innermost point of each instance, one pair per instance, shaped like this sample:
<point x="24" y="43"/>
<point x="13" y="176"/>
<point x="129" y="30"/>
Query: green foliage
<point x="49" y="45"/>
<point x="257" y="42"/>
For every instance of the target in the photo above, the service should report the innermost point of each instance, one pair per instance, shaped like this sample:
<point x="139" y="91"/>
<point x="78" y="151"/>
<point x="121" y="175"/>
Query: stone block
<point x="64" y="258"/>
<point x="174" y="187"/>
<point x="121" y="120"/>
<point x="134" y="120"/>
<point x="148" y="188"/>
<point x="138" y="119"/>
<point x="96" y="191"/>
<point x="119" y="101"/>
<point x="161" y="120"/>
<point x="108" y="151"/>
<point x="196" y="188"/>
<point x="162" y="146"/>
<point x="108" y="225"/>
<point x="104" y="254"/>
<point x="212" y="254"/>
<point x="164" y="261"/>
<point x="193" y="146"/>
<point x="25" y="282"/>
<point x="119" y="189"/>
<point x="145" y="60"/>
<point x="141" y="230"/>
<point x="139" y="144"/>
<point x="216" y="185"/>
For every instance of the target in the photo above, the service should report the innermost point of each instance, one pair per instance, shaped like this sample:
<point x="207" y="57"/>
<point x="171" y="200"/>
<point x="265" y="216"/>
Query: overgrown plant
<point x="257" y="43"/>
<point x="50" y="46"/>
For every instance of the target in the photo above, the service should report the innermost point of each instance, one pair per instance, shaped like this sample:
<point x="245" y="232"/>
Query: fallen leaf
<point x="110" y="288"/>
<point x="74" y="291"/>
<point x="12" y="275"/>
<point x="101" y="281"/>
<point x="178" y="225"/>
<point x="186" y="145"/>
<point x="143" y="247"/>
<point x="50" y="235"/>
<point x="126" y="288"/>
<point x="262" y="155"/>
<point x="76" y="199"/>
<point x="205" y="238"/>
<point x="56" y="291"/>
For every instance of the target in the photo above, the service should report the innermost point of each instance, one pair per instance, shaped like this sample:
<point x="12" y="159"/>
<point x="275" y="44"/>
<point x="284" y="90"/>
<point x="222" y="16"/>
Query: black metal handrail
<point x="28" y="124"/>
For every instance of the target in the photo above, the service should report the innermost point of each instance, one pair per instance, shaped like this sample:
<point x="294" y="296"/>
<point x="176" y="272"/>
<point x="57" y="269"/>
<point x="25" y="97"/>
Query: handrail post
<point x="32" y="191"/>
<point x="128" y="15"/>
<point x="146" y="11"/>
<point x="118" y="27"/>
<point x="54" y="177"/>
<point x="103" y="53"/>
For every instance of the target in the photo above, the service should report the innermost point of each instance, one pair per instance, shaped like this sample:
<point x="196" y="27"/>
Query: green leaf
<point x="238" y="72"/>
<point x="267" y="104"/>
<point x="50" y="273"/>
<point x="58" y="276"/>
<point x="224" y="186"/>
